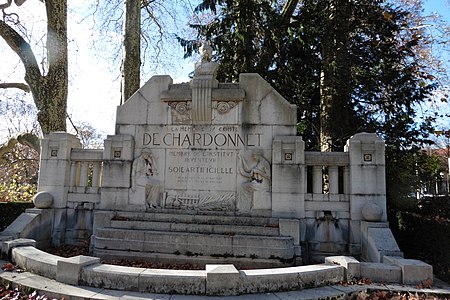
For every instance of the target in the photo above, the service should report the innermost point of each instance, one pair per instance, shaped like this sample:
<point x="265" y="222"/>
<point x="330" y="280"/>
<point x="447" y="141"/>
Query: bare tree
<point x="49" y="87"/>
<point x="148" y="28"/>
<point x="131" y="49"/>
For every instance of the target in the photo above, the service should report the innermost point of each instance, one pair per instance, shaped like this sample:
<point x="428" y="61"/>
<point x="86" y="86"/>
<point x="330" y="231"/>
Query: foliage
<point x="9" y="211"/>
<point x="377" y="62"/>
<point x="18" y="174"/>
<point x="417" y="170"/>
<point x="430" y="225"/>
<point x="89" y="137"/>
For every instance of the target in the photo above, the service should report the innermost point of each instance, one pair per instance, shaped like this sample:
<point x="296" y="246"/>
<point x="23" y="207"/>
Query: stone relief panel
<point x="144" y="182"/>
<point x="254" y="192"/>
<point x="205" y="201"/>
<point x="202" y="167"/>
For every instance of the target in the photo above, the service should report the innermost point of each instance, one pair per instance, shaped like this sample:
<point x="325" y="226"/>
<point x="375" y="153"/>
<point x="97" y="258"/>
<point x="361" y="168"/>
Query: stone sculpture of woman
<point x="143" y="177"/>
<point x="257" y="186"/>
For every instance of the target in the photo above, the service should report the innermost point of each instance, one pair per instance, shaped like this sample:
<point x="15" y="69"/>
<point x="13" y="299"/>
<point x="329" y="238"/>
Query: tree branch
<point x="289" y="9"/>
<point x="6" y="5"/>
<point x="15" y="85"/>
<point x="7" y="147"/>
<point x="22" y="49"/>
<point x="28" y="139"/>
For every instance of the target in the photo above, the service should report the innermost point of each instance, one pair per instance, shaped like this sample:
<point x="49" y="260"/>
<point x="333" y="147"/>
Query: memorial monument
<point x="207" y="172"/>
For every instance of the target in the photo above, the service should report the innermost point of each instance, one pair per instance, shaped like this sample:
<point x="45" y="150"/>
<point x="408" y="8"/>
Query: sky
<point x="94" y="91"/>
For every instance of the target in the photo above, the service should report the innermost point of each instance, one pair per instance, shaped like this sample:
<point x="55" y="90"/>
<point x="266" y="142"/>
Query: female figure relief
<point x="254" y="192"/>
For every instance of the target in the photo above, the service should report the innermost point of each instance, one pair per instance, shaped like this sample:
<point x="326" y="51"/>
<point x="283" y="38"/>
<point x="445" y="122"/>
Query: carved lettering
<point x="204" y="139"/>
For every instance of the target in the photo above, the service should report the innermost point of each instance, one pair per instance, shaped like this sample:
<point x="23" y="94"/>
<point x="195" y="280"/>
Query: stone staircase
<point x="184" y="237"/>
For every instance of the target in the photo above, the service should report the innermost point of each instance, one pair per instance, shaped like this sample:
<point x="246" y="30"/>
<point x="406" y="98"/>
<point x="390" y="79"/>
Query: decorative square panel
<point x="117" y="154"/>
<point x="367" y="157"/>
<point x="288" y="156"/>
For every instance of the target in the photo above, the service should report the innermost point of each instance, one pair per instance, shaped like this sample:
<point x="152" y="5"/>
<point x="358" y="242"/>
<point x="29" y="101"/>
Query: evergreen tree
<point x="350" y="66"/>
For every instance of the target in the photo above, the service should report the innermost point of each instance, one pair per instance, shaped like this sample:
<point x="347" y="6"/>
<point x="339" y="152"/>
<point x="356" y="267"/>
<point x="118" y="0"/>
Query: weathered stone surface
<point x="351" y="265"/>
<point x="380" y="242"/>
<point x="277" y="279"/>
<point x="8" y="245"/>
<point x="68" y="270"/>
<point x="43" y="200"/>
<point x="222" y="280"/>
<point x="413" y="271"/>
<point x="172" y="282"/>
<point x="35" y="261"/>
<point x="381" y="272"/>
<point x="111" y="277"/>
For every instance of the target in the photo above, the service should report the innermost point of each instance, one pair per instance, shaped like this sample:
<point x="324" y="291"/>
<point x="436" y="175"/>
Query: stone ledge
<point x="216" y="279"/>
<point x="36" y="261"/>
<point x="222" y="280"/>
<point x="8" y="245"/>
<point x="292" y="278"/>
<point x="68" y="270"/>
<point x="413" y="271"/>
<point x="351" y="265"/>
<point x="379" y="272"/>
<point x="172" y="281"/>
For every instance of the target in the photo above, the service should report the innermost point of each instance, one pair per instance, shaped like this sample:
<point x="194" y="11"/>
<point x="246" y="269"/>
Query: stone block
<point x="288" y="205"/>
<point x="116" y="174"/>
<point x="222" y="280"/>
<point x="380" y="242"/>
<point x="264" y="247"/>
<point x="380" y="272"/>
<point x="276" y="279"/>
<point x="35" y="261"/>
<point x="7" y="246"/>
<point x="114" y="199"/>
<point x="172" y="281"/>
<point x="351" y="265"/>
<point x="43" y="200"/>
<point x="413" y="271"/>
<point x="290" y="227"/>
<point x="21" y="224"/>
<point x="111" y="277"/>
<point x="69" y="269"/>
<point x="287" y="178"/>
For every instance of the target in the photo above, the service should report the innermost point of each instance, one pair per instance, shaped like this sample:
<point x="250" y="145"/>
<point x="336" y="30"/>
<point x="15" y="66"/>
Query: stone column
<point x="202" y="84"/>
<point x="288" y="177"/>
<point x="367" y="183"/>
<point x="118" y="158"/>
<point x="54" y="176"/>
<point x="288" y="187"/>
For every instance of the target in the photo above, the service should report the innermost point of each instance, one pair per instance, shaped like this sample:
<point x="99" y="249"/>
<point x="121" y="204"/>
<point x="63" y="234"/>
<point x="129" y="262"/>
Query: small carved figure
<point x="144" y="172"/>
<point x="205" y="66"/>
<point x="258" y="180"/>
<point x="206" y="53"/>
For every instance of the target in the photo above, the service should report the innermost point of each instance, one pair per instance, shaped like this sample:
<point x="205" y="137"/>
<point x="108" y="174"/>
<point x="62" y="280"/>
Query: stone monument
<point x="210" y="172"/>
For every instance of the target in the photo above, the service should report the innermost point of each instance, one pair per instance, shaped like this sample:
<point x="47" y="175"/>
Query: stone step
<point x="195" y="260"/>
<point x="225" y="229"/>
<point x="194" y="243"/>
<point x="186" y="217"/>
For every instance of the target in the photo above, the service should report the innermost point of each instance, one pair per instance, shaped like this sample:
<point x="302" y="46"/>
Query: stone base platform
<point x="198" y="239"/>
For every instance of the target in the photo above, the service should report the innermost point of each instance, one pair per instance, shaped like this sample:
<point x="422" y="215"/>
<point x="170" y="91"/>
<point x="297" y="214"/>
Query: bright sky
<point x="94" y="85"/>
<point x="94" y="91"/>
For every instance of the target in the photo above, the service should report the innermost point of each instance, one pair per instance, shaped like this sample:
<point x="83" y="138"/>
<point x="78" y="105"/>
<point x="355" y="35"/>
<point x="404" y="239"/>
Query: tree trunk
<point x="132" y="49"/>
<point x="53" y="91"/>
<point x="335" y="112"/>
